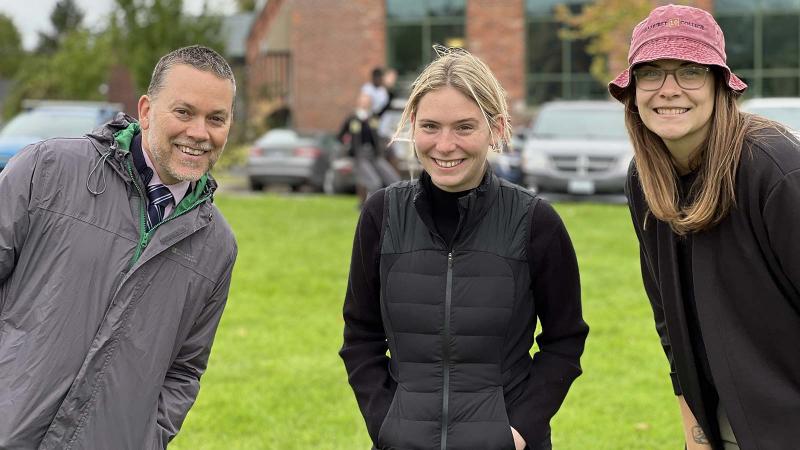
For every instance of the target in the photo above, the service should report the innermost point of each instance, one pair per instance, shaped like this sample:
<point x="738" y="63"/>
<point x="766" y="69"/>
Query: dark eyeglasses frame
<point x="674" y="75"/>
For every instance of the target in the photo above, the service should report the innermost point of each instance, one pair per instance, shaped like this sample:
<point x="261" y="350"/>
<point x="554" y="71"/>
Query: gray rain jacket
<point x="105" y="329"/>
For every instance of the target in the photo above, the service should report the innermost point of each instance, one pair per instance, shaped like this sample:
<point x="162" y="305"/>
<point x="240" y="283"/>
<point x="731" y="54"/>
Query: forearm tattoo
<point x="698" y="435"/>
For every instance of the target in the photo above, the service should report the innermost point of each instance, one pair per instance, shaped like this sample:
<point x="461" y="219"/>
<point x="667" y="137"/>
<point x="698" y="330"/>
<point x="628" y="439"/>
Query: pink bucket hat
<point x="676" y="32"/>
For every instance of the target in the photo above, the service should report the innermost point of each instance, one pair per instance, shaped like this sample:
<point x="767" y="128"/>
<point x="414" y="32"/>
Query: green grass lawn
<point x="275" y="380"/>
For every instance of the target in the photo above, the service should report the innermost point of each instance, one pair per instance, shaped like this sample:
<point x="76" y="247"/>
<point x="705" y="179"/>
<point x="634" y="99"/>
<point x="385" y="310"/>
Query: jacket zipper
<point x="142" y="225"/>
<point x="446" y="350"/>
<point x="144" y="236"/>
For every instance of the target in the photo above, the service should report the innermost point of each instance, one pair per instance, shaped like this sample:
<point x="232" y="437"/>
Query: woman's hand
<point x="519" y="443"/>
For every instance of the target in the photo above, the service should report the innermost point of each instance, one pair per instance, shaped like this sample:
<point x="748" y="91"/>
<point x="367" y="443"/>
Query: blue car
<point x="44" y="120"/>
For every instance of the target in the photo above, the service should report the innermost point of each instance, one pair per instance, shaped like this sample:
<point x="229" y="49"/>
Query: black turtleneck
<point x="445" y="211"/>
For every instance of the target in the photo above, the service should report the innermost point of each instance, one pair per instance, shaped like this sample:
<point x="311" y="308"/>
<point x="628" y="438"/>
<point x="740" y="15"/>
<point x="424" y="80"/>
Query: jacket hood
<point x="104" y="134"/>
<point x="112" y="141"/>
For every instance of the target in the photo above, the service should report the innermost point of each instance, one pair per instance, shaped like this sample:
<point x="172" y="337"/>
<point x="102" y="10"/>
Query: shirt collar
<point x="147" y="170"/>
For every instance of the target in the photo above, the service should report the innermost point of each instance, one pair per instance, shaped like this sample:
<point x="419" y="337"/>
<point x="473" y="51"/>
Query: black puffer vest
<point x="446" y="313"/>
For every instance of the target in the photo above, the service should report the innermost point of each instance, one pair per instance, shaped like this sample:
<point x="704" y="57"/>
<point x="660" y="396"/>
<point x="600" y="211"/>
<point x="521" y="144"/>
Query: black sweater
<point x="555" y="288"/>
<point x="746" y="286"/>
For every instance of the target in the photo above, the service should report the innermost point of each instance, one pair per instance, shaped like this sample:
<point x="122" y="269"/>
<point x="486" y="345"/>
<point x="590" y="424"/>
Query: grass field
<point x="275" y="380"/>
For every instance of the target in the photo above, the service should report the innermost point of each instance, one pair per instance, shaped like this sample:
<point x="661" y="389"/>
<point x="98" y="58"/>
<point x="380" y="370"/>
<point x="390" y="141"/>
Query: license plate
<point x="582" y="187"/>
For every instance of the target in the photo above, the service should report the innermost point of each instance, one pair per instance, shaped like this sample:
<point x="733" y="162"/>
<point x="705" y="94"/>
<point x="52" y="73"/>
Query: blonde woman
<point x="714" y="196"/>
<point x="450" y="273"/>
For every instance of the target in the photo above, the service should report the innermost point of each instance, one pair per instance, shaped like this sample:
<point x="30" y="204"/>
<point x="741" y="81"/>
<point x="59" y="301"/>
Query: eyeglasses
<point x="688" y="77"/>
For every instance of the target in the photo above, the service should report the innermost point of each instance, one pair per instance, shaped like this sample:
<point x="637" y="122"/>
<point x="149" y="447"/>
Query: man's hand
<point x="519" y="443"/>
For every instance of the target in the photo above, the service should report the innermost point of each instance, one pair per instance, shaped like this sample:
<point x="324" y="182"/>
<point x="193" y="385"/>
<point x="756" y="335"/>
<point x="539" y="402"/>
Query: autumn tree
<point x="607" y="26"/>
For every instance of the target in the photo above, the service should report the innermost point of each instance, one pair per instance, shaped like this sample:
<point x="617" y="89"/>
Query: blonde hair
<point x="716" y="162"/>
<point x="469" y="75"/>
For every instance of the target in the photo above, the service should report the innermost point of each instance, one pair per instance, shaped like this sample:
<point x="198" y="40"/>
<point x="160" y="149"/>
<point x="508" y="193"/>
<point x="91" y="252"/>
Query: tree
<point x="66" y="17"/>
<point x="77" y="70"/>
<point x="247" y="5"/>
<point x="143" y="31"/>
<point x="11" y="53"/>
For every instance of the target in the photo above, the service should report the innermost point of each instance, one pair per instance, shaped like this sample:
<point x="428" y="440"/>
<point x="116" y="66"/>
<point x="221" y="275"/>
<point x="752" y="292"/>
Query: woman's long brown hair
<point x="716" y="163"/>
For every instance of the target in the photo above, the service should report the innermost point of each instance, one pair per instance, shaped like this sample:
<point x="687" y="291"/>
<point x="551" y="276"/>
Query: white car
<point x="785" y="110"/>
<point x="578" y="147"/>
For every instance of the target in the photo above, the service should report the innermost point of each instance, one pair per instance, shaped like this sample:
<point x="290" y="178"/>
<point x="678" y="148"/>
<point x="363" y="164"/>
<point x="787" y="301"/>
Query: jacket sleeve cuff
<point x="375" y="421"/>
<point x="531" y="418"/>
<point x="676" y="386"/>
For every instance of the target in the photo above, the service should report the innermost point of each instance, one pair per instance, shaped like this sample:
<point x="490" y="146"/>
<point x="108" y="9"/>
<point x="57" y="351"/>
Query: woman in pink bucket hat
<point x="714" y="195"/>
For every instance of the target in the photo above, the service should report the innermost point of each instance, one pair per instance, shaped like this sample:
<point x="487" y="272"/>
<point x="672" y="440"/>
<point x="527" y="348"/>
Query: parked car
<point x="785" y="110"/>
<point x="47" y="119"/>
<point x="400" y="152"/>
<point x="340" y="176"/>
<point x="508" y="163"/>
<point x="578" y="147"/>
<point x="284" y="156"/>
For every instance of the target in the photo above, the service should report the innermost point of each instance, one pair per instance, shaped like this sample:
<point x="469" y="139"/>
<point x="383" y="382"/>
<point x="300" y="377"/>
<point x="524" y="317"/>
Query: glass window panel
<point x="405" y="48"/>
<point x="588" y="89"/>
<point x="543" y="91"/>
<point x="781" y="42"/>
<point x="780" y="87"/>
<point x="726" y="6"/>
<point x="406" y="9"/>
<point x="780" y="5"/>
<point x="447" y="35"/>
<point x="544" y="8"/>
<point x="581" y="60"/>
<point x="739" y="42"/>
<point x="446" y="7"/>
<point x="544" y="47"/>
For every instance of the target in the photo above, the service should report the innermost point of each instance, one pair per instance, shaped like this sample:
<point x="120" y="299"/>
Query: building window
<point x="413" y="26"/>
<point x="556" y="69"/>
<point x="763" y="44"/>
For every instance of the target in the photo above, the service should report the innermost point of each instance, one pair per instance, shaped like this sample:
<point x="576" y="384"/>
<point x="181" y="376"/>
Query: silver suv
<point x="578" y="147"/>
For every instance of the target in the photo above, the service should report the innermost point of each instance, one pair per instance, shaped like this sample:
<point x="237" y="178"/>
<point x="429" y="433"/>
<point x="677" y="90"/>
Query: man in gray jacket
<point x="115" y="267"/>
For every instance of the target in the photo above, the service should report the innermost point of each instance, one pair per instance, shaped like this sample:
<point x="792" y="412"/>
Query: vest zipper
<point x="446" y="350"/>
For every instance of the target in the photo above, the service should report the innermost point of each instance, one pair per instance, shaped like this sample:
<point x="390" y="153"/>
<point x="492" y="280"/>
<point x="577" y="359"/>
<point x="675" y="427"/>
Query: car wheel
<point x="256" y="185"/>
<point x="329" y="182"/>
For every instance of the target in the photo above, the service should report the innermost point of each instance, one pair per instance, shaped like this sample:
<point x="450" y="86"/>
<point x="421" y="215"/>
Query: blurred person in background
<point x="378" y="91"/>
<point x="390" y="83"/>
<point x="115" y="267"/>
<point x="714" y="195"/>
<point x="450" y="273"/>
<point x="359" y="134"/>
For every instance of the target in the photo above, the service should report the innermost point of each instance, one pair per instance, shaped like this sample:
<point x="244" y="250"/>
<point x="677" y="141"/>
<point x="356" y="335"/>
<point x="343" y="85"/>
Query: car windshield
<point x="279" y="136"/>
<point x="580" y="123"/>
<point x="787" y="116"/>
<point x="44" y="125"/>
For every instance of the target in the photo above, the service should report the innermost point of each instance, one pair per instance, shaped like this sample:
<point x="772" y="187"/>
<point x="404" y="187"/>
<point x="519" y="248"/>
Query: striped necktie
<point x="159" y="196"/>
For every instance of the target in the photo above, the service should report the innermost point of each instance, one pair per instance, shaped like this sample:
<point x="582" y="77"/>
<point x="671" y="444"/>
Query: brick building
<point x="311" y="56"/>
<point x="333" y="45"/>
